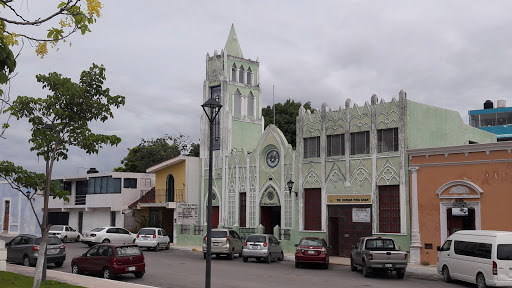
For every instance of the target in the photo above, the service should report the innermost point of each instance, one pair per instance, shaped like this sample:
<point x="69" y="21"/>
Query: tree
<point x="286" y="117"/>
<point x="69" y="16"/>
<point x="59" y="121"/>
<point x="151" y="152"/>
<point x="194" y="150"/>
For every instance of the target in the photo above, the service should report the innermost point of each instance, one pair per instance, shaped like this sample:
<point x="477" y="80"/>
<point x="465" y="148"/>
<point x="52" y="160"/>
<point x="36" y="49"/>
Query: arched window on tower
<point x="250" y="105"/>
<point x="249" y="76"/>
<point x="241" y="75"/>
<point x="237" y="103"/>
<point x="233" y="73"/>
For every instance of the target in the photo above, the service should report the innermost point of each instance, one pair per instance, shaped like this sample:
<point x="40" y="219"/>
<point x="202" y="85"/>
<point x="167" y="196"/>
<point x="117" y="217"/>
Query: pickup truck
<point x="378" y="254"/>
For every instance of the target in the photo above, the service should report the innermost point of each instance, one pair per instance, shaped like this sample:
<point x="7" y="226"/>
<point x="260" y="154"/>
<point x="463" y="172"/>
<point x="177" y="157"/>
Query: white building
<point x="99" y="199"/>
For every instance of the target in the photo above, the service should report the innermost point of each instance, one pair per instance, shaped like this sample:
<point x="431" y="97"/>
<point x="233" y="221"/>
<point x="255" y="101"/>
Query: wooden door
<point x="334" y="236"/>
<point x="215" y="216"/>
<point x="6" y="215"/>
<point x="348" y="232"/>
<point x="266" y="218"/>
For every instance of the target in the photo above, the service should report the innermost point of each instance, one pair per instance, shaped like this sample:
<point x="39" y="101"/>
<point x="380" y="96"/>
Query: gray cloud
<point x="453" y="54"/>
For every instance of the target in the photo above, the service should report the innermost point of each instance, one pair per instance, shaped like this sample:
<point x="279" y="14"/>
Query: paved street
<point x="185" y="268"/>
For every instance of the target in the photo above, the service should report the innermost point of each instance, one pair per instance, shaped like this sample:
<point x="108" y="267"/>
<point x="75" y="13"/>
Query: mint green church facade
<point x="349" y="168"/>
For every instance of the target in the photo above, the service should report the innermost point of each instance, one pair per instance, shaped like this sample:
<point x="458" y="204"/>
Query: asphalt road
<point x="184" y="268"/>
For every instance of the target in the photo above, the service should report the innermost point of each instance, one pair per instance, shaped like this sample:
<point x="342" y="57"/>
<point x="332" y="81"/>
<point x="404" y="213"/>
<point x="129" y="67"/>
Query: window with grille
<point x="360" y="143"/>
<point x="387" y="140"/>
<point x="312" y="147"/>
<point x="232" y="209"/>
<point x="313" y="209"/>
<point x="243" y="216"/>
<point x="287" y="210"/>
<point x="252" y="209"/>
<point x="389" y="209"/>
<point x="335" y="145"/>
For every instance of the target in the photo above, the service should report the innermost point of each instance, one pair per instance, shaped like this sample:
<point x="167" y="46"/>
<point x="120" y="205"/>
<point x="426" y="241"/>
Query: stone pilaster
<point x="415" y="229"/>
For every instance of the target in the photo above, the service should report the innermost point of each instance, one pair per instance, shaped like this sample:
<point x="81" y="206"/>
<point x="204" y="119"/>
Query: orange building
<point x="458" y="188"/>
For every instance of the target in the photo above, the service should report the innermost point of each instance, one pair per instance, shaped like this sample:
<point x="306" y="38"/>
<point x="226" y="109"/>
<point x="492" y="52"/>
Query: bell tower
<point x="234" y="81"/>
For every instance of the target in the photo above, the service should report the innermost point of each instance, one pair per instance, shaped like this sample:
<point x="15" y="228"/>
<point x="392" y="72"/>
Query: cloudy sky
<point x="450" y="54"/>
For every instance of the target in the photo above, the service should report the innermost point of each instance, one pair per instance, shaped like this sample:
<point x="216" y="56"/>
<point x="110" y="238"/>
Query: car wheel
<point x="245" y="259"/>
<point x="446" y="274"/>
<point x="157" y="247"/>
<point x="59" y="264"/>
<point x="105" y="241"/>
<point x="75" y="269"/>
<point x="26" y="261"/>
<point x="297" y="265"/>
<point x="326" y="265"/>
<point x="353" y="266"/>
<point x="168" y="246"/>
<point x="480" y="281"/>
<point x="400" y="273"/>
<point x="366" y="270"/>
<point x="133" y="241"/>
<point x="281" y="258"/>
<point x="77" y="239"/>
<point x="268" y="259"/>
<point x="139" y="274"/>
<point x="107" y="274"/>
<point x="65" y="239"/>
<point x="230" y="255"/>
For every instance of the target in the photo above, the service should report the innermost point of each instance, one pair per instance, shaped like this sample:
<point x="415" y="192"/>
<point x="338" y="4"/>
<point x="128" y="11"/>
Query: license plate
<point x="215" y="244"/>
<point x="388" y="265"/>
<point x="311" y="252"/>
<point x="53" y="251"/>
<point x="131" y="268"/>
<point x="145" y="238"/>
<point x="255" y="246"/>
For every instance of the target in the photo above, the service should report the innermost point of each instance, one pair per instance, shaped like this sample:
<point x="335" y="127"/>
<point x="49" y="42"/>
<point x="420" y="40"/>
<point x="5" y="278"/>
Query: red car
<point x="110" y="260"/>
<point x="312" y="250"/>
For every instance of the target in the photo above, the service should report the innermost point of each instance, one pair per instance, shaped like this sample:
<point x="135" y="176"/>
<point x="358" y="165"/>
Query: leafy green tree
<point x="68" y="17"/>
<point x="286" y="118"/>
<point x="59" y="121"/>
<point x="194" y="150"/>
<point x="151" y="152"/>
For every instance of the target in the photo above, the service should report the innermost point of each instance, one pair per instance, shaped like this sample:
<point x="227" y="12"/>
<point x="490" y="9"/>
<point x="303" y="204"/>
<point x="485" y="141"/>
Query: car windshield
<point x="311" y="242"/>
<point x="57" y="228"/>
<point x="504" y="252"/>
<point x="257" y="238"/>
<point x="219" y="234"/>
<point x="51" y="241"/>
<point x="147" y="232"/>
<point x="97" y="229"/>
<point x="380" y="244"/>
<point x="128" y="251"/>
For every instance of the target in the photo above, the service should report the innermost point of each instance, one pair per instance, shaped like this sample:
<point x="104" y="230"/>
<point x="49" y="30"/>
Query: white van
<point x="477" y="256"/>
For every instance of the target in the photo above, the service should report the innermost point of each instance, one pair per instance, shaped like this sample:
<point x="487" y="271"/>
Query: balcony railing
<point x="178" y="195"/>
<point x="80" y="199"/>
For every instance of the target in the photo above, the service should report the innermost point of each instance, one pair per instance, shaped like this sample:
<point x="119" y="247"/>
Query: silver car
<point x="25" y="249"/>
<point x="153" y="238"/>
<point x="224" y="242"/>
<point x="262" y="247"/>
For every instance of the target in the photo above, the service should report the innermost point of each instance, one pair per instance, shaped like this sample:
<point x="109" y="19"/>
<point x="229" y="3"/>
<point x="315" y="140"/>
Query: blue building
<point x="495" y="120"/>
<point x="16" y="214"/>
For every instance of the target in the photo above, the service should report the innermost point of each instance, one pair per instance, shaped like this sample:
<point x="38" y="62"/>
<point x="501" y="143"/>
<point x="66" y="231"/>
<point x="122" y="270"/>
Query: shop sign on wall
<point x="187" y="211"/>
<point x="349" y="199"/>
<point x="361" y="215"/>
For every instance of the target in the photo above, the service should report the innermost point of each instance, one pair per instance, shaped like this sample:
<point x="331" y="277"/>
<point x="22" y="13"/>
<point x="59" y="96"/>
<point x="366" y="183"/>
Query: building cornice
<point x="470" y="148"/>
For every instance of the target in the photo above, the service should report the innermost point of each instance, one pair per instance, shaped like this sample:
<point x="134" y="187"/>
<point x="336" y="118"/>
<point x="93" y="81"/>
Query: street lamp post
<point x="211" y="108"/>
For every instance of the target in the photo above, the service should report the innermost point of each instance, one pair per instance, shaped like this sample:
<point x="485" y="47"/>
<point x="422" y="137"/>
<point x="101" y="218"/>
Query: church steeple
<point x="232" y="46"/>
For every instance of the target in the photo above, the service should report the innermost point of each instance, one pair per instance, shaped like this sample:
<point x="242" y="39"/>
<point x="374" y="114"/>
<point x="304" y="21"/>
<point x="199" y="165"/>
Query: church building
<point x="349" y="170"/>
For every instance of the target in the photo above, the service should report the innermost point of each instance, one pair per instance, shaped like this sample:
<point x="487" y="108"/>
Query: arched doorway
<point x="169" y="193"/>
<point x="462" y="218"/>
<point x="270" y="210"/>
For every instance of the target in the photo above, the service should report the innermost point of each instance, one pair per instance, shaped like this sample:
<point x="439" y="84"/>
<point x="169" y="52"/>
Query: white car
<point x="108" y="235"/>
<point x="65" y="233"/>
<point x="152" y="238"/>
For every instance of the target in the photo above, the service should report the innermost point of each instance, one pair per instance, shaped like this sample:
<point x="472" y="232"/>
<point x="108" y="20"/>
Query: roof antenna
<point x="273" y="105"/>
